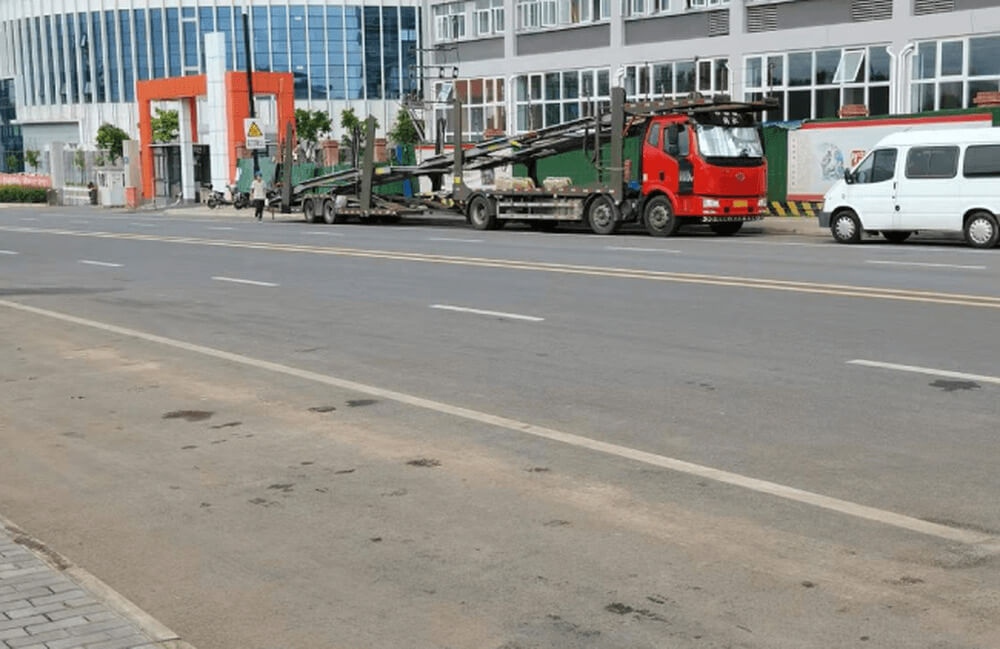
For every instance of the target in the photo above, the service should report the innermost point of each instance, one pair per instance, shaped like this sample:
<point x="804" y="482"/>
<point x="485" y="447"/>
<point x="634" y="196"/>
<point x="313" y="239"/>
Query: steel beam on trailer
<point x="368" y="164"/>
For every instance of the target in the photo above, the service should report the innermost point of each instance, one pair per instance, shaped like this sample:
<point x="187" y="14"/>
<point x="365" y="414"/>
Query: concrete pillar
<point x="130" y="158"/>
<point x="57" y="168"/>
<point x="187" y="150"/>
<point x="331" y="152"/>
<point x="217" y="107"/>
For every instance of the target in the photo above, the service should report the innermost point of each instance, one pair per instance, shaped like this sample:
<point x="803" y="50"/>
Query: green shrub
<point x="17" y="194"/>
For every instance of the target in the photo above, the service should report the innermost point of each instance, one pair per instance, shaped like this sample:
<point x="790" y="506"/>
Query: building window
<point x="449" y="22"/>
<point x="676" y="79"/>
<point x="536" y="14"/>
<point x="950" y="73"/>
<point x="815" y="84"/>
<point x="550" y="98"/>
<point x="484" y="107"/>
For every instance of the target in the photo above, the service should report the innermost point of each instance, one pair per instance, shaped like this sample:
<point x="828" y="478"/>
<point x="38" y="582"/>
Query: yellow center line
<point x="815" y="288"/>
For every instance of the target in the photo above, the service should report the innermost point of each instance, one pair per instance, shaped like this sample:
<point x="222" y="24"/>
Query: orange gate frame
<point x="186" y="89"/>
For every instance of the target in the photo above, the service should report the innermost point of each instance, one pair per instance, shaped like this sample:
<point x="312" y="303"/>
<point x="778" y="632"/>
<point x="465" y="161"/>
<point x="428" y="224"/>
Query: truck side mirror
<point x="673" y="146"/>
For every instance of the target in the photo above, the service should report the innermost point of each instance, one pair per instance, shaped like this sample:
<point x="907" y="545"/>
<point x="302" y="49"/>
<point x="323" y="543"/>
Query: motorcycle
<point x="231" y="196"/>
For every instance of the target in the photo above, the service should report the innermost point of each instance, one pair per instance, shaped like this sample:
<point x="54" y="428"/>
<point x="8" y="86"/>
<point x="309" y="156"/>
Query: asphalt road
<point x="537" y="440"/>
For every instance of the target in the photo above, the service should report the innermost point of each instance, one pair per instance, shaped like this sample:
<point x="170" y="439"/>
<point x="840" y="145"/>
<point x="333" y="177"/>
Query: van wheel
<point x="846" y="228"/>
<point x="309" y="212"/>
<point x="482" y="213"/>
<point x="981" y="230"/>
<point x="602" y="215"/>
<point x="726" y="229"/>
<point x="896" y="236"/>
<point x="659" y="217"/>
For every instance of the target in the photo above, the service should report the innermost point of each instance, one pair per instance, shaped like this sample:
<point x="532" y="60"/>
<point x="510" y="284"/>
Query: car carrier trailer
<point x="695" y="160"/>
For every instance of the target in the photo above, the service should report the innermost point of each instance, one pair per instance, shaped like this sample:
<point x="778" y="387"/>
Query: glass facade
<point x="334" y="52"/>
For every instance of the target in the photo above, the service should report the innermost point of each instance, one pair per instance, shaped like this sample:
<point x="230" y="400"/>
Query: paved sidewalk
<point x="41" y="607"/>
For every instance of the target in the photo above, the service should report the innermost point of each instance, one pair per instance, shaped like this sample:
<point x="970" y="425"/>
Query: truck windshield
<point x="729" y="142"/>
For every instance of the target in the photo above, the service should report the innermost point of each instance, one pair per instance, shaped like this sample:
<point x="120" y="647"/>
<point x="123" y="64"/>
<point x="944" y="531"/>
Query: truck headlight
<point x="762" y="203"/>
<point x="709" y="202"/>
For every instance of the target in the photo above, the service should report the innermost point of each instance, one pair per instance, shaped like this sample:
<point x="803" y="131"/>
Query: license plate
<point x="740" y="204"/>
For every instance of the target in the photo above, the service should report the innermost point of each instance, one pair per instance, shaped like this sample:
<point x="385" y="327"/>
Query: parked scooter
<point x="237" y="199"/>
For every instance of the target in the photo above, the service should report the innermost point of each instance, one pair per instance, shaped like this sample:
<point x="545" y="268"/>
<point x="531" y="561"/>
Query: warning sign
<point x="253" y="132"/>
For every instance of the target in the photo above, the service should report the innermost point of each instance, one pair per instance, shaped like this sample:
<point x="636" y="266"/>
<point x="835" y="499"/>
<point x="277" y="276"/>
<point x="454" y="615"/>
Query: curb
<point x="157" y="632"/>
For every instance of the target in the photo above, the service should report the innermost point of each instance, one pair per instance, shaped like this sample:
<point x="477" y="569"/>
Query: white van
<point x="915" y="181"/>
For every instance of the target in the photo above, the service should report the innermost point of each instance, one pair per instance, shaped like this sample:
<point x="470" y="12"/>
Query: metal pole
<point x="246" y="48"/>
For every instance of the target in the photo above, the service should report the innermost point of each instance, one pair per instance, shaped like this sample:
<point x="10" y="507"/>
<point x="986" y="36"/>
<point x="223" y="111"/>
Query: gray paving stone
<point x="79" y="602"/>
<point x="20" y="572"/>
<point x="58" y="597"/>
<point x="19" y="595"/>
<point x="10" y="624"/>
<point x="30" y="610"/>
<point x="58" y="624"/>
<point x="129" y="641"/>
<point x="16" y="632"/>
<point x="63" y="587"/>
<point x="101" y="617"/>
<point x="111" y="626"/>
<point x="79" y="640"/>
<point x="58" y="634"/>
<point x="65" y="612"/>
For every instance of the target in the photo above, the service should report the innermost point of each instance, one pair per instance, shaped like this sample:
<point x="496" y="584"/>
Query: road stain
<point x="219" y="441"/>
<point x="283" y="487"/>
<point x="376" y="539"/>
<point x="322" y="409"/>
<point x="538" y="469"/>
<point x="905" y="580"/>
<point x="344" y="471"/>
<point x="188" y="415"/>
<point x="954" y="386"/>
<point x="189" y="447"/>
<point x="808" y="584"/>
<point x="557" y="523"/>
<point x="306" y="463"/>
<point x="395" y="493"/>
<point x="424" y="462"/>
<point x="359" y="403"/>
<point x="228" y="424"/>
<point x="264" y="502"/>
<point x="74" y="435"/>
<point x="619" y="608"/>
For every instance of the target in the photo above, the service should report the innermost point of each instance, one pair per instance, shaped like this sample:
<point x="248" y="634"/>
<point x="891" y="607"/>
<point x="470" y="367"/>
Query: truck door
<point x="659" y="170"/>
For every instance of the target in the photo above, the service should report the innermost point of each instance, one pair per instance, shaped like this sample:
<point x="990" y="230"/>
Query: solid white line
<point x="7" y="252"/>
<point x="144" y="225"/>
<point x="326" y="233"/>
<point x="923" y="264"/>
<point x="930" y="371"/>
<point x="221" y="227"/>
<point x="455" y="240"/>
<point x="106" y="264"/>
<point x="236" y="280"/>
<point x="27" y="218"/>
<point x="642" y="249"/>
<point x="499" y="314"/>
<point x="752" y="484"/>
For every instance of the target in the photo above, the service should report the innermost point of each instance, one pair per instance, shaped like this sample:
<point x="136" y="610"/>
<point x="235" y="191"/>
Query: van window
<point x="932" y="162"/>
<point x="654" y="135"/>
<point x="982" y="161"/>
<point x="876" y="168"/>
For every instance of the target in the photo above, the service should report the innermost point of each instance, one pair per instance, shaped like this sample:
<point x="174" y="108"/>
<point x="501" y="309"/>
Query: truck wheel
<point x="330" y="215"/>
<point x="846" y="228"/>
<point x="659" y="217"/>
<point x="602" y="215"/>
<point x="981" y="230"/>
<point x="309" y="212"/>
<point x="896" y="236"/>
<point x="726" y="229"/>
<point x="482" y="213"/>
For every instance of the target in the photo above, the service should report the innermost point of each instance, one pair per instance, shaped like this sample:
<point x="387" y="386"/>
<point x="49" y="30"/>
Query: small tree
<point x="310" y="126"/>
<point x="110" y="138"/>
<point x="350" y="122"/>
<point x="12" y="162"/>
<point x="404" y="131"/>
<point x="31" y="158"/>
<point x="166" y="125"/>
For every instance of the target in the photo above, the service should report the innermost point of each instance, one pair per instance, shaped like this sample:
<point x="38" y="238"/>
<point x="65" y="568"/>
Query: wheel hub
<point x="845" y="227"/>
<point x="980" y="231"/>
<point x="659" y="217"/>
<point x="602" y="215"/>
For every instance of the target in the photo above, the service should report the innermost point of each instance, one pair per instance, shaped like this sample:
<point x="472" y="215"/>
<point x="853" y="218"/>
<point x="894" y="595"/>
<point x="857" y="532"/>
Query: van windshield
<point x="730" y="142"/>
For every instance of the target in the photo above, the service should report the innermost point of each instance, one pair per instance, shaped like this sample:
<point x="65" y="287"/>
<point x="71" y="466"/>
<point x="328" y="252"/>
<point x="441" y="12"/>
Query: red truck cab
<point x="702" y="169"/>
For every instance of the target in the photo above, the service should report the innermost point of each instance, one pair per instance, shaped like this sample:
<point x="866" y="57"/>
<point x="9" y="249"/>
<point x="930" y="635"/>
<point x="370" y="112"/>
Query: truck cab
<point x="704" y="168"/>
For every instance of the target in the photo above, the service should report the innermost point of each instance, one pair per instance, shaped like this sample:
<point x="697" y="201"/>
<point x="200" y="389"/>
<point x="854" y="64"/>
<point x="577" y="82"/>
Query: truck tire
<point x="981" y="230"/>
<point x="330" y="215"/>
<point x="602" y="215"/>
<point x="309" y="212"/>
<point x="845" y="227"/>
<point x="482" y="213"/>
<point x="659" y="218"/>
<point x="726" y="229"/>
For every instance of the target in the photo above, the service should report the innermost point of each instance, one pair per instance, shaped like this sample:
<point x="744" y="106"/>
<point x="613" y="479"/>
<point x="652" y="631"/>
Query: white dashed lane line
<point x="105" y="264"/>
<point x="928" y="371"/>
<point x="922" y="264"/>
<point x="496" y="314"/>
<point x="237" y="280"/>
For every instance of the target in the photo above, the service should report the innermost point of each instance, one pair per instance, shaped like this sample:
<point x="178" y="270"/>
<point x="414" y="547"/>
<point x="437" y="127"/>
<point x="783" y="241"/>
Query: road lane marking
<point x="106" y="264"/>
<point x="220" y="227"/>
<point x="635" y="249"/>
<point x="929" y="371"/>
<point x="236" y="280"/>
<point x="27" y="218"/>
<point x="923" y="264"/>
<point x="456" y="240"/>
<point x="815" y="288"/>
<point x="326" y="233"/>
<point x="143" y="225"/>
<point x="498" y="314"/>
<point x="785" y="492"/>
<point x="8" y="252"/>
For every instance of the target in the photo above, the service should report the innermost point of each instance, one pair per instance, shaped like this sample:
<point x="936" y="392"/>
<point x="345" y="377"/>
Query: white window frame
<point x="847" y="70"/>
<point x="498" y="19"/>
<point x="484" y="29"/>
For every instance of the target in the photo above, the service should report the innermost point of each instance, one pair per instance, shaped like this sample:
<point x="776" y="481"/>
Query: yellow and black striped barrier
<point x="794" y="208"/>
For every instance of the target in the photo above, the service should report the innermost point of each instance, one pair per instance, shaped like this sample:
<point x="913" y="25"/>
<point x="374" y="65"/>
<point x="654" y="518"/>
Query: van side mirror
<point x="673" y="147"/>
<point x="848" y="177"/>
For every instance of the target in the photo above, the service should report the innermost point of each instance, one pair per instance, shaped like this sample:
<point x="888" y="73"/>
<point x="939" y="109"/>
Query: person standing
<point x="257" y="195"/>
